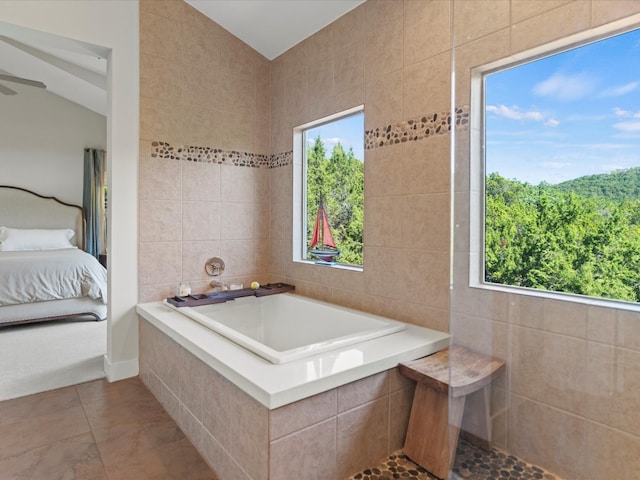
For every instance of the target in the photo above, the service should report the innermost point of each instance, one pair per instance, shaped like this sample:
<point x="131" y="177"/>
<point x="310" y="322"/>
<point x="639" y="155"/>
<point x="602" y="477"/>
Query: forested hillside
<point x="617" y="186"/>
<point x="546" y="237"/>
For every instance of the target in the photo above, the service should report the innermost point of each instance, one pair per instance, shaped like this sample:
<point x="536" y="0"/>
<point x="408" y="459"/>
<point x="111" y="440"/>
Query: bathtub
<point x="286" y="327"/>
<point x="336" y="411"/>
<point x="345" y="358"/>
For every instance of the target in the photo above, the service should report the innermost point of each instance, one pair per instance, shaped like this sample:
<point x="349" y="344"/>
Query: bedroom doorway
<point x="46" y="121"/>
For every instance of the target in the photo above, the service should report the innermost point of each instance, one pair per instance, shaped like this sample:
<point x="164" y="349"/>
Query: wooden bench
<point x="432" y="435"/>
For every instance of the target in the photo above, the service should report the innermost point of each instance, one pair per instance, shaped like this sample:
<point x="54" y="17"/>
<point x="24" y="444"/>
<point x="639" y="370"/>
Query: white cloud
<point x="556" y="165"/>
<point x="566" y="87"/>
<point x="586" y="117"/>
<point x="625" y="113"/>
<point x="552" y="122"/>
<point x="630" y="127"/>
<point x="620" y="90"/>
<point x="514" y="113"/>
<point x="605" y="146"/>
<point x="334" y="140"/>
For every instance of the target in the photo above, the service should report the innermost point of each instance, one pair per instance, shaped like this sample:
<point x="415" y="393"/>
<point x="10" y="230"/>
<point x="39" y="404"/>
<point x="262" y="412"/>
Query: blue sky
<point x="573" y="114"/>
<point x="349" y="132"/>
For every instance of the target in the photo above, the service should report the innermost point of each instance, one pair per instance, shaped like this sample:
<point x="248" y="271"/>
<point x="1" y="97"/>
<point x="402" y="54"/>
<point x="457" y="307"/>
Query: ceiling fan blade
<point x="24" y="81"/>
<point x="7" y="90"/>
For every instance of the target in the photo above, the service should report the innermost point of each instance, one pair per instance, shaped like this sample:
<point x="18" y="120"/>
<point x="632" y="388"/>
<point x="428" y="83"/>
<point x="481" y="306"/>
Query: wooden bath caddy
<point x="198" y="299"/>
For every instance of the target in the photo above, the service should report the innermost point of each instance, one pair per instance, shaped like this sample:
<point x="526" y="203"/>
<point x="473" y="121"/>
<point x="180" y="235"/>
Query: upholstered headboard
<point x="21" y="208"/>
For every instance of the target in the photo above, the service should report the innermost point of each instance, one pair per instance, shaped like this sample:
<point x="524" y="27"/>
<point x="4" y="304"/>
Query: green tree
<point x="338" y="181"/>
<point x="549" y="238"/>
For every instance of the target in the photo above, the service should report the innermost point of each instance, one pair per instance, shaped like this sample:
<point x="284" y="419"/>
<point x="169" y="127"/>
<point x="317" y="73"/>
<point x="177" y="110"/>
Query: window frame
<point x="300" y="189"/>
<point x="477" y="172"/>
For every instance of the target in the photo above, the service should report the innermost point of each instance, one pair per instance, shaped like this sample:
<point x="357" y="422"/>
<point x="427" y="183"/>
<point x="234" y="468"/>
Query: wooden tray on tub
<point x="197" y="299"/>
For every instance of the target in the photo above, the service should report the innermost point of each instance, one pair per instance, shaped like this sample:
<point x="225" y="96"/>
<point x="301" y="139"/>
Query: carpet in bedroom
<point x="43" y="356"/>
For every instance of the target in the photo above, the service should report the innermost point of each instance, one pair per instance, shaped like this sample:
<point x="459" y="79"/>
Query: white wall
<point x="42" y="138"/>
<point x="113" y="25"/>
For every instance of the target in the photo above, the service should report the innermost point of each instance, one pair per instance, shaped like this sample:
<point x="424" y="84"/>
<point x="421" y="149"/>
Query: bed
<point x="44" y="272"/>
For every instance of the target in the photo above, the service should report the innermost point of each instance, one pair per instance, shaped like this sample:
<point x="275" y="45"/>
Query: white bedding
<point x="42" y="275"/>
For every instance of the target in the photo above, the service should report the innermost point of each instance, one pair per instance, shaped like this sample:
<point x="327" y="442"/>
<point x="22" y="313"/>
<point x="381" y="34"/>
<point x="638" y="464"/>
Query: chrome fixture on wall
<point x="214" y="266"/>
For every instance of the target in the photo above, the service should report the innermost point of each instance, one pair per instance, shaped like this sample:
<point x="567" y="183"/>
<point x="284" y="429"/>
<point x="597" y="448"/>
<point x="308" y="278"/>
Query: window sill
<point x="338" y="266"/>
<point x="559" y="296"/>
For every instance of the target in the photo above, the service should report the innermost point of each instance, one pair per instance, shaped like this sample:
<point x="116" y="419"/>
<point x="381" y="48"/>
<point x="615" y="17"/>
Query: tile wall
<point x="573" y="369"/>
<point x="215" y="116"/>
<point x="328" y="436"/>
<point x="204" y="152"/>
<point x="393" y="57"/>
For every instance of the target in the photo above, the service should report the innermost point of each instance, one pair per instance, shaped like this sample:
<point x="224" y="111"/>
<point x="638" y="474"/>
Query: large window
<point x="562" y="171"/>
<point x="333" y="189"/>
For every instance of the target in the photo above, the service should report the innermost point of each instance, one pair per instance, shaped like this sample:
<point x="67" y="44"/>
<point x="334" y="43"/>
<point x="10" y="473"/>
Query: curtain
<point x="93" y="201"/>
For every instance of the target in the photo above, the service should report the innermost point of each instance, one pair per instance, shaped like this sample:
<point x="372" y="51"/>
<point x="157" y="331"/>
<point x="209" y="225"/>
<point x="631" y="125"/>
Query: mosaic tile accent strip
<point x="281" y="159"/>
<point x="416" y="128"/>
<point x="472" y="463"/>
<point x="216" y="155"/>
<point x="408" y="130"/>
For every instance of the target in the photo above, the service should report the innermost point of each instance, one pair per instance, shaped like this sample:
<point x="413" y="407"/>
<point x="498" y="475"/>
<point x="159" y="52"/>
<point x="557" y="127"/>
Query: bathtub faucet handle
<point x="214" y="266"/>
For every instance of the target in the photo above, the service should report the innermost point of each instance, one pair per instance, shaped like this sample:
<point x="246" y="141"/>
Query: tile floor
<point x="118" y="431"/>
<point x="94" y="431"/>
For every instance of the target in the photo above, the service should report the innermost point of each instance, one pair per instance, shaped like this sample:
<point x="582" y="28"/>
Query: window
<point x="332" y="189"/>
<point x="562" y="171"/>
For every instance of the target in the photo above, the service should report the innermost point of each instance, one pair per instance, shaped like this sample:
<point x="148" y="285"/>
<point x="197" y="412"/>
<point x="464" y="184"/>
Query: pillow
<point x="15" y="239"/>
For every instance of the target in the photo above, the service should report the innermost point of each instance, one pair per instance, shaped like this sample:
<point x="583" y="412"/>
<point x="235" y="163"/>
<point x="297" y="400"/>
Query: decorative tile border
<point x="413" y="129"/>
<point x="281" y="159"/>
<point x="416" y="128"/>
<point x="217" y="155"/>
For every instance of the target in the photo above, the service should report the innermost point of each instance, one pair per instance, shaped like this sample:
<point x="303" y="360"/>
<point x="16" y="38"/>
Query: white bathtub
<point x="275" y="385"/>
<point x="286" y="327"/>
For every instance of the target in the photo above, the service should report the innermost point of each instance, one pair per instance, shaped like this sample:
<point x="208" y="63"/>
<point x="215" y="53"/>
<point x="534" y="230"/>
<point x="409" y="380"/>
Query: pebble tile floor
<point x="118" y="431"/>
<point x="472" y="463"/>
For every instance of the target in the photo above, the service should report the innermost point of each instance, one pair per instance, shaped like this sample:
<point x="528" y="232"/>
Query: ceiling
<point x="272" y="27"/>
<point x="73" y="70"/>
<point x="77" y="71"/>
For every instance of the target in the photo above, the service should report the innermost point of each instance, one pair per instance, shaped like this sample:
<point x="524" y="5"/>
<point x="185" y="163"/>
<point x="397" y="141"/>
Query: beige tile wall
<point x="393" y="57"/>
<point x="200" y="86"/>
<point x="573" y="369"/>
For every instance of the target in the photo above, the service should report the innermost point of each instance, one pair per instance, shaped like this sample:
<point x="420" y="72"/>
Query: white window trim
<point x="299" y="189"/>
<point x="477" y="167"/>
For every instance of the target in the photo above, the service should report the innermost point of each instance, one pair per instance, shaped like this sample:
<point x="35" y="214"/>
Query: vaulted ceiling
<point x="272" y="27"/>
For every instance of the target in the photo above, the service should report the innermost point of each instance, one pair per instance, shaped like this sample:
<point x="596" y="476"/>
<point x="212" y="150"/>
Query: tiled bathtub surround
<point x="206" y="94"/>
<point x="328" y="436"/>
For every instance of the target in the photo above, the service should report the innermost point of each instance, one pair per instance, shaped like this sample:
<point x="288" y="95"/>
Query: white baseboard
<point x="120" y="370"/>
